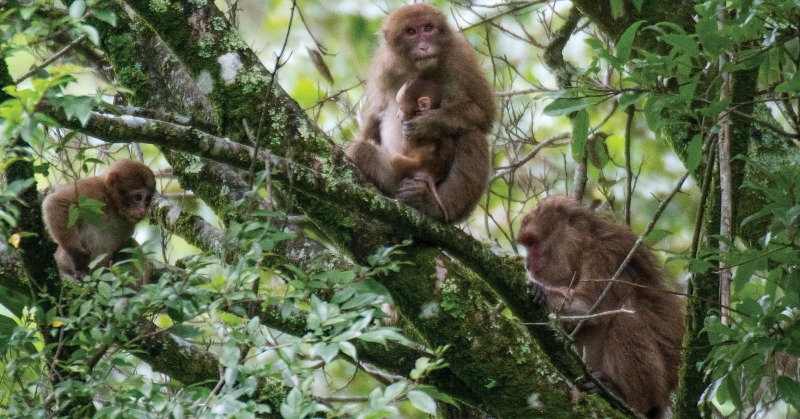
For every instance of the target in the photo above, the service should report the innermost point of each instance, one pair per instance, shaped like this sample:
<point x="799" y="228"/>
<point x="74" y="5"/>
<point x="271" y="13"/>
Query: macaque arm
<point x="374" y="163"/>
<point x="405" y="166"/>
<point x="56" y="208"/>
<point x="447" y="121"/>
<point x="371" y="131"/>
<point x="460" y="191"/>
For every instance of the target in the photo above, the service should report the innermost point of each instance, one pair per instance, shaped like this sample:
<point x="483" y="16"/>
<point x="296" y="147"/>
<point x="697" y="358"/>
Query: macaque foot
<point x="589" y="386"/>
<point x="416" y="192"/>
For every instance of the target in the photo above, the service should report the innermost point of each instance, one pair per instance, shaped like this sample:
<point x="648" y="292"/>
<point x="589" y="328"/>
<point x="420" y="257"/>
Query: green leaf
<point x="694" y="153"/>
<point x="745" y="271"/>
<point x="87" y="209"/>
<point x="580" y="135"/>
<point x="185" y="331"/>
<point x="105" y="15"/>
<point x="394" y="391"/>
<point x="79" y="107"/>
<point x="616" y="8"/>
<point x="630" y="98"/>
<point x="422" y="401"/>
<point x="348" y="349"/>
<point x="566" y="105"/>
<point x="77" y="9"/>
<point x="625" y="42"/>
<point x="438" y="395"/>
<point x="789" y="390"/>
<point x="92" y="33"/>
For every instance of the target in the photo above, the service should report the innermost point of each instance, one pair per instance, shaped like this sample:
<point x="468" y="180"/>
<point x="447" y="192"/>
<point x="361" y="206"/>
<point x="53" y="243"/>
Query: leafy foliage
<point x="754" y="359"/>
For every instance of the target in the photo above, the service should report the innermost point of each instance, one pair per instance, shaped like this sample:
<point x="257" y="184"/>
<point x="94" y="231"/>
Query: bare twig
<point x="628" y="171"/>
<point x="52" y="58"/>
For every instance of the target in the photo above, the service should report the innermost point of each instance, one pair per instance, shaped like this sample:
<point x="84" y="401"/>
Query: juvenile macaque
<point x="572" y="255"/>
<point x="125" y="190"/>
<point x="419" y="44"/>
<point x="417" y="96"/>
<point x="429" y="155"/>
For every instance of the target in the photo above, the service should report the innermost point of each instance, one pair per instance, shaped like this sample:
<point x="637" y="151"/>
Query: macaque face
<point x="417" y="96"/>
<point x="135" y="203"/>
<point x="418" y="35"/>
<point x="132" y="188"/>
<point x="550" y="242"/>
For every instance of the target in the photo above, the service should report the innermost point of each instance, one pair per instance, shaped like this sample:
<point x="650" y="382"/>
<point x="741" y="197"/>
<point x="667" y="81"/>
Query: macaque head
<point x="554" y="234"/>
<point x="417" y="96"/>
<point x="131" y="186"/>
<point x="418" y="34"/>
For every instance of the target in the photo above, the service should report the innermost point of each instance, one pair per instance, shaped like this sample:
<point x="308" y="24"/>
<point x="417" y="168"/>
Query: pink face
<point x="421" y="39"/>
<point x="136" y="202"/>
<point x="530" y="240"/>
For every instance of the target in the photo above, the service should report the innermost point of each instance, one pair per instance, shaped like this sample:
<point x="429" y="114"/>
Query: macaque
<point x="572" y="255"/>
<point x="427" y="154"/>
<point x="125" y="190"/>
<point x="417" y="96"/>
<point x="419" y="44"/>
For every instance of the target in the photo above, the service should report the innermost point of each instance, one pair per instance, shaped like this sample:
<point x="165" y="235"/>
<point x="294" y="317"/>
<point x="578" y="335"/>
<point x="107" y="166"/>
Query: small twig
<point x="594" y="315"/>
<point x="707" y="181"/>
<point x="628" y="170"/>
<point x="502" y="171"/>
<point x="52" y="58"/>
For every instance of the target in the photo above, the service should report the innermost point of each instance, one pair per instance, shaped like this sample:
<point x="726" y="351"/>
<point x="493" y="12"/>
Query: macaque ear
<point x="112" y="178"/>
<point x="424" y="103"/>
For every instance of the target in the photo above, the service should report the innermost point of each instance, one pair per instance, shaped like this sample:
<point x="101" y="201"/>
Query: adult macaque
<point x="125" y="190"/>
<point x="419" y="44"/>
<point x="427" y="157"/>
<point x="572" y="255"/>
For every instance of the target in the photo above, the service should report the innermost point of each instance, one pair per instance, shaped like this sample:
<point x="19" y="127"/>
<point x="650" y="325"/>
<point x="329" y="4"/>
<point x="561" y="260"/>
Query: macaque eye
<point x="411" y="31"/>
<point x="428" y="28"/>
<point x="136" y="197"/>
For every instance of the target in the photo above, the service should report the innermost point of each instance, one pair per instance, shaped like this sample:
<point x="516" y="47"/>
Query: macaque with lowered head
<point x="419" y="44"/>
<point x="572" y="255"/>
<point x="126" y="190"/>
<point x="430" y="155"/>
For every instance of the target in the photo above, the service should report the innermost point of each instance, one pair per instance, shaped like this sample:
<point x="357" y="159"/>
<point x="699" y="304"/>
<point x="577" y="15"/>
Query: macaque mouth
<point x="428" y="57"/>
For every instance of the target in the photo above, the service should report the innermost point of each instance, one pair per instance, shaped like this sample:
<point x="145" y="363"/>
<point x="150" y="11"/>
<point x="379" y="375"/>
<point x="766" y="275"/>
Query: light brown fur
<point x="434" y="52"/>
<point x="126" y="190"/>
<point x="430" y="155"/>
<point x="572" y="253"/>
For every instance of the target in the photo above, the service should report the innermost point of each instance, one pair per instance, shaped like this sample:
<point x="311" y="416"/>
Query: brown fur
<point x="126" y="190"/>
<point x="430" y="155"/>
<point x="571" y="255"/>
<point x="418" y="43"/>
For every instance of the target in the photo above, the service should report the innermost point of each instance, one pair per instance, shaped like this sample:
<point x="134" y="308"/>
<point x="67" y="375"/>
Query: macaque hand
<point x="537" y="294"/>
<point x="557" y="293"/>
<point x="422" y="125"/>
<point x="416" y="193"/>
<point x="589" y="386"/>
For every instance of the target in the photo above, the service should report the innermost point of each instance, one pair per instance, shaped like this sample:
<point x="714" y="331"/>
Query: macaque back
<point x="126" y="190"/>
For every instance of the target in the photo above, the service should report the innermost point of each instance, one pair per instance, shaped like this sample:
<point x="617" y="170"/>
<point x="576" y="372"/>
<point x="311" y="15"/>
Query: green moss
<point x="252" y="80"/>
<point x="159" y="6"/>
<point x="122" y="53"/>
